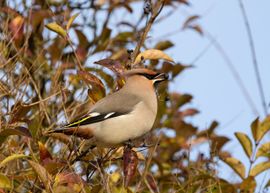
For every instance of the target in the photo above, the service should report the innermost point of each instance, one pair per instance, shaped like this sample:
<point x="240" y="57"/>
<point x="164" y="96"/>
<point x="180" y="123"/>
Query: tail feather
<point x="83" y="132"/>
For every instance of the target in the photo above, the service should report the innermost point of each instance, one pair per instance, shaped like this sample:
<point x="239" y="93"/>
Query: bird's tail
<point x="83" y="132"/>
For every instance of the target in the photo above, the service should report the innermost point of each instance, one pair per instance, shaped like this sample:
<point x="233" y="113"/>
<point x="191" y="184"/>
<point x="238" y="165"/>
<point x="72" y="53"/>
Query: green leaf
<point x="11" y="158"/>
<point x="71" y="20"/>
<point x="5" y="182"/>
<point x="255" y="128"/>
<point x="43" y="175"/>
<point x="264" y="150"/>
<point x="236" y="165"/>
<point x="245" y="142"/>
<point x="57" y="29"/>
<point x="259" y="168"/>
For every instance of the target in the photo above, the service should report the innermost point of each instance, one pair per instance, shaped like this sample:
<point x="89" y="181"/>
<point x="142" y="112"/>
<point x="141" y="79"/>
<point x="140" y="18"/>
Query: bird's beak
<point x="160" y="77"/>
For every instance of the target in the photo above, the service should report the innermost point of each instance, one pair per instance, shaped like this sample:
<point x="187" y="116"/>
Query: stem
<point x="157" y="9"/>
<point x="235" y="74"/>
<point x="254" y="58"/>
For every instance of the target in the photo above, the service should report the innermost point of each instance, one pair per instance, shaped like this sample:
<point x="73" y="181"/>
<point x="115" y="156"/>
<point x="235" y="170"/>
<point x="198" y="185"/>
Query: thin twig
<point x="234" y="73"/>
<point x="254" y="58"/>
<point x="157" y="9"/>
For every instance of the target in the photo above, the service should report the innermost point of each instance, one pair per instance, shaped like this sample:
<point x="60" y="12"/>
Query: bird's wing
<point x="113" y="105"/>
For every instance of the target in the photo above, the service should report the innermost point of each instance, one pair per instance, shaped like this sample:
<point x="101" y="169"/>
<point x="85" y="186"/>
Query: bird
<point x="124" y="115"/>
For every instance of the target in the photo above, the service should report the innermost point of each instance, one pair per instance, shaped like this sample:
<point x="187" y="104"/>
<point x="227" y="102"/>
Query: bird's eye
<point x="148" y="76"/>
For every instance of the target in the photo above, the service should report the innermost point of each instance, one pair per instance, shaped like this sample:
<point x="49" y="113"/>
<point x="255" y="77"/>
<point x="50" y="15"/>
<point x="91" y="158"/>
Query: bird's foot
<point x="129" y="144"/>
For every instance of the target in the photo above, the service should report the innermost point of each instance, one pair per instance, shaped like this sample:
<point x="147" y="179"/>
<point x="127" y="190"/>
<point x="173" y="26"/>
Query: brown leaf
<point x="68" y="178"/>
<point x="248" y="184"/>
<point x="152" y="183"/>
<point x="44" y="154"/>
<point x="218" y="142"/>
<point x="21" y="131"/>
<point x="189" y="112"/>
<point x="113" y="65"/>
<point x="189" y="21"/>
<point x="42" y="173"/>
<point x="16" y="27"/>
<point x="130" y="160"/>
<point x="19" y="110"/>
<point x="196" y="28"/>
<point x="97" y="90"/>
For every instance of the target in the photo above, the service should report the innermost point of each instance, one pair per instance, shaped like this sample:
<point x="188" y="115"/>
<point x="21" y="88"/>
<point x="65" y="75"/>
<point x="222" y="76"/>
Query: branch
<point x="254" y="58"/>
<point x="234" y="72"/>
<point x="157" y="9"/>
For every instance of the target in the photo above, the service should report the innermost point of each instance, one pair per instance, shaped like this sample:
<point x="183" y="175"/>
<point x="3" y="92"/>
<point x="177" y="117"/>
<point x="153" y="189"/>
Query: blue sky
<point x="216" y="93"/>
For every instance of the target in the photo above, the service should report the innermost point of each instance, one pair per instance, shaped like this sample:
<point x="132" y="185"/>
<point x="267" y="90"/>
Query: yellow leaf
<point x="11" y="158"/>
<point x="264" y="128"/>
<point x="264" y="150"/>
<point x="42" y="174"/>
<point x="236" y="165"/>
<point x="245" y="142"/>
<point x="248" y="185"/>
<point x="115" y="176"/>
<point x="152" y="54"/>
<point x="255" y="128"/>
<point x="4" y="181"/>
<point x="57" y="29"/>
<point x="259" y="168"/>
<point x="71" y="20"/>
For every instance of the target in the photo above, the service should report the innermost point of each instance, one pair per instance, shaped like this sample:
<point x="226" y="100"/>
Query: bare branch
<point x="254" y="58"/>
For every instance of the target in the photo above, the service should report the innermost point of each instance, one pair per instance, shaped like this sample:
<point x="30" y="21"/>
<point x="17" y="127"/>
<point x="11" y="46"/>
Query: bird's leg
<point x="129" y="144"/>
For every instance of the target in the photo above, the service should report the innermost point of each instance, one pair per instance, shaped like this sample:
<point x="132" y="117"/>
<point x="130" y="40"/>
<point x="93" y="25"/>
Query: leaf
<point x="245" y="142"/>
<point x="196" y="28"/>
<point x="57" y="29"/>
<point x="130" y="160"/>
<point x="163" y="45"/>
<point x="97" y="90"/>
<point x="259" y="168"/>
<point x="248" y="185"/>
<point x="11" y="158"/>
<point x="236" y="165"/>
<point x="260" y="129"/>
<point x="264" y="150"/>
<point x="254" y="128"/>
<point x="67" y="178"/>
<point x="44" y="154"/>
<point x="21" y="131"/>
<point x="152" y="54"/>
<point x="189" y="20"/>
<point x="71" y="20"/>
<point x="152" y="183"/>
<point x="189" y="112"/>
<point x="218" y="142"/>
<point x="44" y="176"/>
<point x="113" y="65"/>
<point x="5" y="182"/>
<point x="264" y="128"/>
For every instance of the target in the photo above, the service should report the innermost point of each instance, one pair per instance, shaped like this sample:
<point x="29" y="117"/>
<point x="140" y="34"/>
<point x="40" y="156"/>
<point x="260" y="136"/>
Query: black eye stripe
<point x="148" y="76"/>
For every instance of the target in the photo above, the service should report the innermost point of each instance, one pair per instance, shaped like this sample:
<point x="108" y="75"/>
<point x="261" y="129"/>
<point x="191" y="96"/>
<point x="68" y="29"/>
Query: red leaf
<point x="113" y="65"/>
<point x="44" y="154"/>
<point x="130" y="159"/>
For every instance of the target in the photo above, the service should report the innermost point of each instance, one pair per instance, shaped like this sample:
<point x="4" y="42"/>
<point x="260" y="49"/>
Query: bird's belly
<point x="119" y="129"/>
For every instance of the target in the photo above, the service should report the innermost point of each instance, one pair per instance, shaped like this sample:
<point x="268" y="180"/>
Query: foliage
<point x="47" y="78"/>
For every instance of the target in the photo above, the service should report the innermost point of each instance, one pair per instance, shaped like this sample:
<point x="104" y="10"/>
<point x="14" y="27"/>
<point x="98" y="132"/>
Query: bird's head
<point x="154" y="77"/>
